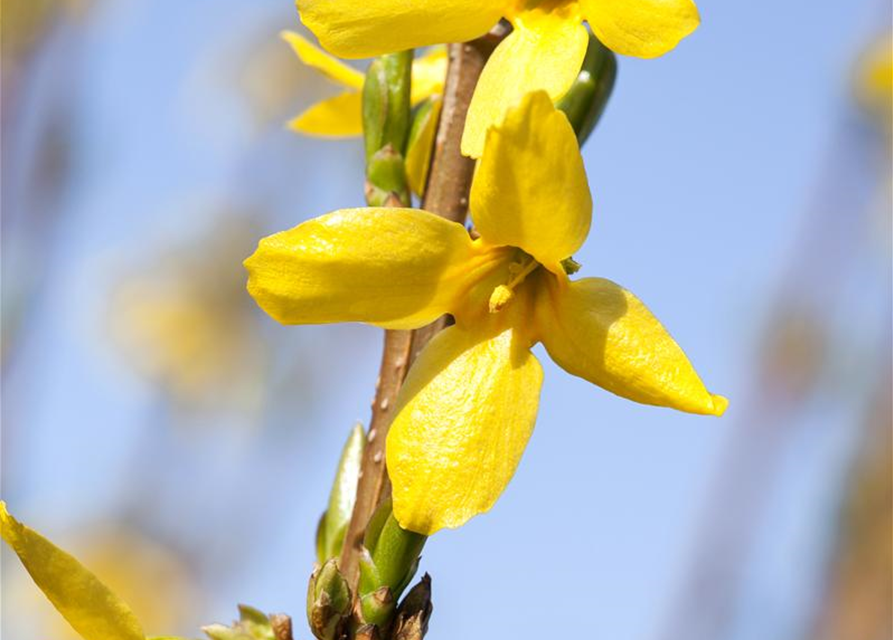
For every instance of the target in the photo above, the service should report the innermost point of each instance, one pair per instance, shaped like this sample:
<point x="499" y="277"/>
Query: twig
<point x="447" y="195"/>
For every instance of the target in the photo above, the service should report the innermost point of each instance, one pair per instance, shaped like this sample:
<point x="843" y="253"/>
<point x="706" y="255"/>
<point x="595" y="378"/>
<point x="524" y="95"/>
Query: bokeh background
<point x="181" y="443"/>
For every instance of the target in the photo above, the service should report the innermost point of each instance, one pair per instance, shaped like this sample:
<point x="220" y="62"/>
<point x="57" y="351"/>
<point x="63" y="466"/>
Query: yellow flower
<point x="86" y="603"/>
<point x="342" y="115"/>
<point x="544" y="51"/>
<point x="469" y="403"/>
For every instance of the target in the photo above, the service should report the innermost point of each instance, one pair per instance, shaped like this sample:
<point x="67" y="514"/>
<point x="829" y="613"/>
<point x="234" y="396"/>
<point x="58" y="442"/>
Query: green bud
<point x="333" y="524"/>
<point x="585" y="102"/>
<point x="386" y="104"/>
<point x="253" y="624"/>
<point x="386" y="184"/>
<point x="328" y="602"/>
<point x="388" y="561"/>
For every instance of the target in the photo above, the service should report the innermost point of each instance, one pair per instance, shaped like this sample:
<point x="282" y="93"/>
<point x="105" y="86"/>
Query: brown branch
<point x="447" y="195"/>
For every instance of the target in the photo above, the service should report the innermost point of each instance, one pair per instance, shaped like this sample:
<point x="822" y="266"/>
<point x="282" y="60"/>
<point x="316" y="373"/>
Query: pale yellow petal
<point x="330" y="66"/>
<point x="338" y="117"/>
<point x="599" y="331"/>
<point x="641" y="28"/>
<point x="421" y="145"/>
<point x="544" y="52"/>
<point x="530" y="188"/>
<point x="396" y="268"/>
<point x="428" y="74"/>
<point x="366" y="28"/>
<point x="86" y="603"/>
<point x="463" y="420"/>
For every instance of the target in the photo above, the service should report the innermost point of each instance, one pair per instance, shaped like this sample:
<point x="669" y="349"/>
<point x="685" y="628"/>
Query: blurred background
<point x="181" y="443"/>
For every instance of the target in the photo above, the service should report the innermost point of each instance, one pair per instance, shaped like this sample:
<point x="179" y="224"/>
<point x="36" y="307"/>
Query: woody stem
<point x="446" y="195"/>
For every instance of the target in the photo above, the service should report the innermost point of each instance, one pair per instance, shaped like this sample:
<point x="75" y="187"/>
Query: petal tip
<point x="720" y="404"/>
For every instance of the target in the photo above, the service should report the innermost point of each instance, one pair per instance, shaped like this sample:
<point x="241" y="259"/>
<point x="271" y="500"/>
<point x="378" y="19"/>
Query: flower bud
<point x="386" y="93"/>
<point x="253" y="624"/>
<point x="328" y="602"/>
<point x="585" y="102"/>
<point x="386" y="184"/>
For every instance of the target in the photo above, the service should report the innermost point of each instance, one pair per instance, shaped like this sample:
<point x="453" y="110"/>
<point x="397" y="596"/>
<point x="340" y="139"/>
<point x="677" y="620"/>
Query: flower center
<point x="518" y="271"/>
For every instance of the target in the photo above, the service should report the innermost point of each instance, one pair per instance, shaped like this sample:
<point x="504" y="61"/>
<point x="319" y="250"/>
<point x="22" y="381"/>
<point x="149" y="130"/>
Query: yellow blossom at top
<point x="342" y="115"/>
<point x="469" y="403"/>
<point x="543" y="52"/>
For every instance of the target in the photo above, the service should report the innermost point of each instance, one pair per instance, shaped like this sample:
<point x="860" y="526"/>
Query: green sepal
<point x="334" y="522"/>
<point x="386" y="102"/>
<point x="585" y="102"/>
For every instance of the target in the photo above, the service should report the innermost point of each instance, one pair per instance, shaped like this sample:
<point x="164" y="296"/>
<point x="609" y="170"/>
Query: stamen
<point x="504" y="293"/>
<point x="500" y="297"/>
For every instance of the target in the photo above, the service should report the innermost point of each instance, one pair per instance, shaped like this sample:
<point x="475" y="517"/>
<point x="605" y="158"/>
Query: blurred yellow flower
<point x="544" y="51"/>
<point x="89" y="606"/>
<point x="469" y="403"/>
<point x="342" y="115"/>
<point x="152" y="579"/>
<point x="182" y="321"/>
<point x="874" y="80"/>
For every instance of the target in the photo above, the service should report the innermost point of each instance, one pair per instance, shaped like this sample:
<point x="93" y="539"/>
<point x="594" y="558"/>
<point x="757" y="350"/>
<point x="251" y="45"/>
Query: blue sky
<point x="703" y="170"/>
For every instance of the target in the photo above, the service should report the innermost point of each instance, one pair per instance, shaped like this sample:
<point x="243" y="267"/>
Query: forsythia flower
<point x="86" y="603"/>
<point x="544" y="51"/>
<point x="469" y="403"/>
<point x="342" y="115"/>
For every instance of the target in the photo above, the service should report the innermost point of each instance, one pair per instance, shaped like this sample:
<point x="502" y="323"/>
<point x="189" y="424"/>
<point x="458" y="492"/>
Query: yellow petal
<point x="428" y="74"/>
<point x="396" y="268"/>
<point x="463" y="419"/>
<point x="544" y="52"/>
<point x="86" y="603"/>
<point x="421" y="145"/>
<point x="330" y="66"/>
<point x="337" y="117"/>
<point x="530" y="189"/>
<point x="366" y="28"/>
<point x="599" y="331"/>
<point x="641" y="28"/>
